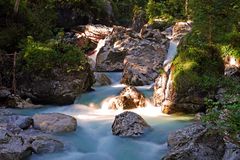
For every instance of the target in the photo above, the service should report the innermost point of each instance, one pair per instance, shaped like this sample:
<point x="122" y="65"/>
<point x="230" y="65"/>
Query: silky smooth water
<point x="93" y="139"/>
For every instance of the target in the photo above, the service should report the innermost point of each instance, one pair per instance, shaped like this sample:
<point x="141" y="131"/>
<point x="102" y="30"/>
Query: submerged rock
<point x="41" y="142"/>
<point x="129" y="124"/>
<point x="54" y="122"/>
<point x="195" y="142"/>
<point x="101" y="79"/>
<point x="129" y="98"/>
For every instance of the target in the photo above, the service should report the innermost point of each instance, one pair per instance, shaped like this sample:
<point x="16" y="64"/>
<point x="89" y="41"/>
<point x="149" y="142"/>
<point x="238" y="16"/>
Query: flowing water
<point x="93" y="139"/>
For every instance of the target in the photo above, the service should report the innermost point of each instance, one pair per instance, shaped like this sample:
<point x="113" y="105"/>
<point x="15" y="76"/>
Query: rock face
<point x="56" y="88"/>
<point x="195" y="142"/>
<point x="129" y="98"/>
<point x="142" y="65"/>
<point x="54" y="122"/>
<point x="139" y="55"/>
<point x="129" y="124"/>
<point x="101" y="79"/>
<point x="172" y="101"/>
<point x="165" y="93"/>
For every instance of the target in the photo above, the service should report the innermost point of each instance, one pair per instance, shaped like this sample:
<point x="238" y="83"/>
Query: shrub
<point x="224" y="115"/>
<point x="197" y="67"/>
<point x="42" y="57"/>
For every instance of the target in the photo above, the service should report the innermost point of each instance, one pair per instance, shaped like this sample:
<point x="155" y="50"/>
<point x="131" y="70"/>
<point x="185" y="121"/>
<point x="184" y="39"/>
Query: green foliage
<point x="213" y="19"/>
<point x="224" y="114"/>
<point x="43" y="57"/>
<point x="197" y="67"/>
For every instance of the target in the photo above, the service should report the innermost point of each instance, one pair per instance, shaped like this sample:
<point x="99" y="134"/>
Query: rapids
<point x="93" y="139"/>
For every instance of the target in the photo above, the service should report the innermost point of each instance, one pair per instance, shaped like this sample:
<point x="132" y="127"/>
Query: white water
<point x="93" y="139"/>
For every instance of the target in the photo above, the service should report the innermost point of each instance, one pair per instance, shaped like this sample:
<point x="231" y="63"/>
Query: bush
<point x="197" y="67"/>
<point x="42" y="57"/>
<point x="224" y="115"/>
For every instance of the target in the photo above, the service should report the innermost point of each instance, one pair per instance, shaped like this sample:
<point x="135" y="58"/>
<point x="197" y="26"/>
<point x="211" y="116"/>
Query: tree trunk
<point x="186" y="9"/>
<point x="16" y="6"/>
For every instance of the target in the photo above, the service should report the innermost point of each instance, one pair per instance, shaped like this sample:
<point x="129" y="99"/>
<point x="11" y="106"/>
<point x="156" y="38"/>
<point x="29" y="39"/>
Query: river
<point x="93" y="139"/>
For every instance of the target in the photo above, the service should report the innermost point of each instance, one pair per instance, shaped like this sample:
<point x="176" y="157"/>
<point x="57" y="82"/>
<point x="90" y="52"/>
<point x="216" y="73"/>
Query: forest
<point x="119" y="79"/>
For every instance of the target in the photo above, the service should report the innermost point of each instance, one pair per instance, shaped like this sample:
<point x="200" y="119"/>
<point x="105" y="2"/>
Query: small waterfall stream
<point x="93" y="139"/>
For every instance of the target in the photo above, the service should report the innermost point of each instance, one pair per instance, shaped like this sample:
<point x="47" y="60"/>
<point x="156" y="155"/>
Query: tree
<point x="16" y="6"/>
<point x="214" y="18"/>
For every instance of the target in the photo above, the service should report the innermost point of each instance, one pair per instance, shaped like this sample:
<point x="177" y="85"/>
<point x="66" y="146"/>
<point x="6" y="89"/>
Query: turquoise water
<point x="93" y="139"/>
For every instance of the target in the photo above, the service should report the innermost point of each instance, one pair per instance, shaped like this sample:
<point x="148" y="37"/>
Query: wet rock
<point x="139" y="19"/>
<point x="101" y="79"/>
<point x="54" y="122"/>
<point x="123" y="42"/>
<point x="4" y="94"/>
<point x="142" y="65"/>
<point x="15" y="101"/>
<point x="129" y="124"/>
<point x="46" y="145"/>
<point x="232" y="152"/>
<point x="180" y="29"/>
<point x="195" y="142"/>
<point x="56" y="87"/>
<point x="129" y="98"/>
<point x="13" y="147"/>
<point x="42" y="142"/>
<point x="23" y="122"/>
<point x="93" y="32"/>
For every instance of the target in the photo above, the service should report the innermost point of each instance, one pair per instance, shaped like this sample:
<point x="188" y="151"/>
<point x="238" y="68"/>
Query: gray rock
<point x="56" y="87"/>
<point x="41" y="142"/>
<point x="54" y="122"/>
<point x="13" y="147"/>
<point x="142" y="64"/>
<point x="195" y="142"/>
<point x="23" y="122"/>
<point x="46" y="145"/>
<point x="129" y="124"/>
<point x="232" y="152"/>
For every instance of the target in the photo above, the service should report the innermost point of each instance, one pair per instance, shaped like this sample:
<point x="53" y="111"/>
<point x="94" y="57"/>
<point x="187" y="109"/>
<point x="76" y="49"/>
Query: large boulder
<point x="54" y="122"/>
<point x="56" y="87"/>
<point x="129" y="124"/>
<point x="124" y="48"/>
<point x="195" y="142"/>
<point x="129" y="98"/>
<point x="13" y="147"/>
<point x="142" y="64"/>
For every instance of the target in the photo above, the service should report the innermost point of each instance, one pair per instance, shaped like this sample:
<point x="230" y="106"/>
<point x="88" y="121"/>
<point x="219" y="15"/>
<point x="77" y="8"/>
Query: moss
<point x="197" y="68"/>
